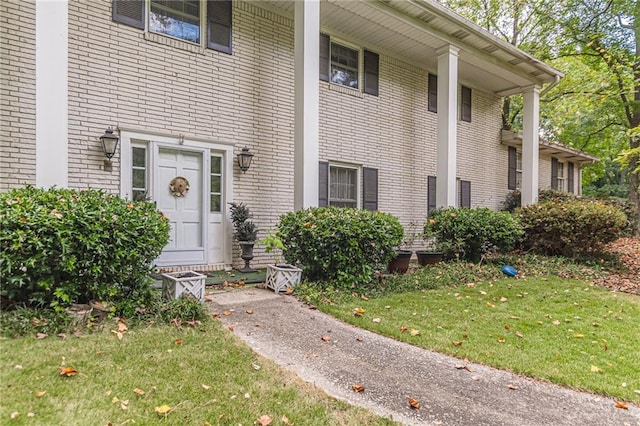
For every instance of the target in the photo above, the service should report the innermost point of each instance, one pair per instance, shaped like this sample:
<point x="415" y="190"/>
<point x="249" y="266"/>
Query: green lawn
<point x="565" y="331"/>
<point x="197" y="376"/>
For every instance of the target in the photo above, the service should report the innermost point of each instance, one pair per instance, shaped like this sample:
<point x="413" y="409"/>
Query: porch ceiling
<point x="553" y="149"/>
<point x="413" y="30"/>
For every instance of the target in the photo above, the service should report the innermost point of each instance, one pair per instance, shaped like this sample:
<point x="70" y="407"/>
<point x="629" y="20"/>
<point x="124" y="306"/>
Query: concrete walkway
<point x="291" y="334"/>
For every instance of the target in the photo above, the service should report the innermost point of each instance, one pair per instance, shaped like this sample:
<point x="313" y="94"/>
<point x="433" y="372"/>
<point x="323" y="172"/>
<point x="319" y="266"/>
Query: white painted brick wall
<point x="17" y="93"/>
<point x="118" y="77"/>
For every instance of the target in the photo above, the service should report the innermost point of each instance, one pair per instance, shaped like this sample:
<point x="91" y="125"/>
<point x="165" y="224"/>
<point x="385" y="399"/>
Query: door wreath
<point x="179" y="186"/>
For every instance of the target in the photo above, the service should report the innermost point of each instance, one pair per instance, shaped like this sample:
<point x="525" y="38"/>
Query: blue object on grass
<point x="509" y="270"/>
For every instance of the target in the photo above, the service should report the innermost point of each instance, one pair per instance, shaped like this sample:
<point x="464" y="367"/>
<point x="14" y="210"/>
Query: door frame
<point x="179" y="141"/>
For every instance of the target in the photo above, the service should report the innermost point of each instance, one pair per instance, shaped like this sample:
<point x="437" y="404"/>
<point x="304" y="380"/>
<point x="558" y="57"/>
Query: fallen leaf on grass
<point x="41" y="335"/>
<point x="358" y="312"/>
<point x="14" y="414"/>
<point x="622" y="405"/>
<point x="501" y="339"/>
<point x="556" y="322"/>
<point x="357" y="388"/>
<point x="206" y="387"/>
<point x="39" y="394"/>
<point x="285" y="420"/>
<point x="178" y="342"/>
<point x="377" y="320"/>
<point x="457" y="343"/>
<point x="265" y="420"/>
<point x="138" y="392"/>
<point x="596" y="369"/>
<point x="403" y="329"/>
<point x="414" y="332"/>
<point x="68" y="371"/>
<point x="163" y="410"/>
<point x="518" y="334"/>
<point x="578" y="336"/>
<point x="256" y="367"/>
<point x="414" y="403"/>
<point x="124" y="404"/>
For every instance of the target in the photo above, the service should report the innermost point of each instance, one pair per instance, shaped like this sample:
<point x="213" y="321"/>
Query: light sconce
<point x="109" y="143"/>
<point x="244" y="159"/>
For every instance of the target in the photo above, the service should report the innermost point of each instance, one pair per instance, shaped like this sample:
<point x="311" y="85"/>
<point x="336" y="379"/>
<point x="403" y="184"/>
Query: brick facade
<point x="127" y="78"/>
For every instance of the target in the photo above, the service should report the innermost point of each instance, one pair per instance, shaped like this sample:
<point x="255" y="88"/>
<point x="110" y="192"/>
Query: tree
<point x="596" y="107"/>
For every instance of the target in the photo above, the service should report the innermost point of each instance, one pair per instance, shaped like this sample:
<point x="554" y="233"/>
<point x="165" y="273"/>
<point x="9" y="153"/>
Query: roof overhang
<point x="414" y="30"/>
<point x="552" y="149"/>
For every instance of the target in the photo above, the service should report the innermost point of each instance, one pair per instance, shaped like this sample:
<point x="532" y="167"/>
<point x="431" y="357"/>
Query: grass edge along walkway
<point x="568" y="332"/>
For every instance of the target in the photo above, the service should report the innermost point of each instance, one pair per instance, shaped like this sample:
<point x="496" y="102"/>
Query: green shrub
<point x="61" y="246"/>
<point x="340" y="244"/>
<point x="182" y="309"/>
<point x="470" y="233"/>
<point x="570" y="228"/>
<point x="28" y="322"/>
<point x="514" y="198"/>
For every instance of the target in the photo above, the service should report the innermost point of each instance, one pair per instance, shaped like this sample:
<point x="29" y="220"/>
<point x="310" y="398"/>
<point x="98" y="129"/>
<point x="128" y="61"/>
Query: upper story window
<point x="344" y="65"/>
<point x="465" y="104"/>
<point x="348" y="66"/>
<point x="179" y="19"/>
<point x="207" y="23"/>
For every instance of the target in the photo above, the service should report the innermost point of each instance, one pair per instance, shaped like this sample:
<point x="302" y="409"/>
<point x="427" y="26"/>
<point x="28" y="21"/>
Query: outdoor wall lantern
<point x="244" y="159"/>
<point x="109" y="143"/>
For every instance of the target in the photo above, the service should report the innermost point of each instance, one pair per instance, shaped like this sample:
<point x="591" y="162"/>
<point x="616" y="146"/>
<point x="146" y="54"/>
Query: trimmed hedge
<point x="470" y="233"/>
<point x="339" y="244"/>
<point x="571" y="227"/>
<point x="61" y="246"/>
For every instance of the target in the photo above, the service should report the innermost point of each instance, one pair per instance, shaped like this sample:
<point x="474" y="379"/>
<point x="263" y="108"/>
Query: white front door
<point x="186" y="213"/>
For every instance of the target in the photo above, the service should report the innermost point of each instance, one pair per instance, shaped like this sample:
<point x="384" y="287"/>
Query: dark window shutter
<point x="465" y="193"/>
<point x="129" y="12"/>
<point x="554" y="173"/>
<point x="324" y="57"/>
<point x="219" y="25"/>
<point x="369" y="188"/>
<point x="433" y="93"/>
<point x="323" y="182"/>
<point x="431" y="194"/>
<point x="371" y="72"/>
<point x="465" y="107"/>
<point x="570" y="178"/>
<point x="513" y="159"/>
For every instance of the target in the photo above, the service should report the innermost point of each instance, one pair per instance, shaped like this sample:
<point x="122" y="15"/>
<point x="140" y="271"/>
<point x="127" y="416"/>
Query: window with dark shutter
<point x="129" y="12"/>
<point x="465" y="193"/>
<point x="323" y="182"/>
<point x="433" y="93"/>
<point x="431" y="194"/>
<point x="570" y="181"/>
<point x="324" y="57"/>
<point x="219" y="25"/>
<point x="465" y="106"/>
<point x="371" y="72"/>
<point x="369" y="188"/>
<point x="554" y="173"/>
<point x="513" y="160"/>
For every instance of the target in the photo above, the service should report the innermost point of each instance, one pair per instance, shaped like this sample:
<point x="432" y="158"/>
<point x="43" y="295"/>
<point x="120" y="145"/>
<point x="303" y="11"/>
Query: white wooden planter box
<point x="176" y="284"/>
<point x="282" y="276"/>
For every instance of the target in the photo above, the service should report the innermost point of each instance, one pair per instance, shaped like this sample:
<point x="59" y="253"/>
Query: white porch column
<point x="52" y="134"/>
<point x="530" y="145"/>
<point x="307" y="99"/>
<point x="447" y="126"/>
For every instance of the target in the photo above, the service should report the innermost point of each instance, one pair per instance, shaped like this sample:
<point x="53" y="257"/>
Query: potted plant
<point x="280" y="276"/>
<point x="432" y="254"/>
<point x="245" y="232"/>
<point x="400" y="263"/>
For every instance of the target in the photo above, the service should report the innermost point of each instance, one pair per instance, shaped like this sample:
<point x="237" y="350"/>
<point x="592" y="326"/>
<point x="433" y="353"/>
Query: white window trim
<point x="360" y="50"/>
<point x="154" y="35"/>
<point x="358" y="170"/>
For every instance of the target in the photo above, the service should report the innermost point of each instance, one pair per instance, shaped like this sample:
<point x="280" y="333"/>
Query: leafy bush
<point x="182" y="309"/>
<point x="61" y="246"/>
<point x="514" y="198"/>
<point x="28" y="322"/>
<point x="340" y="244"/>
<point x="470" y="233"/>
<point x="570" y="228"/>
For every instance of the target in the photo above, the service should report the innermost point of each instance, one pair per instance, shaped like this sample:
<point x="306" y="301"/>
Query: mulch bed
<point x="628" y="251"/>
